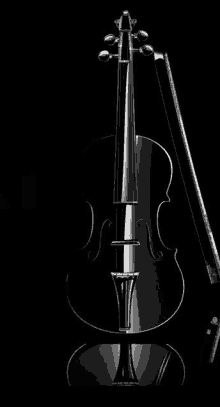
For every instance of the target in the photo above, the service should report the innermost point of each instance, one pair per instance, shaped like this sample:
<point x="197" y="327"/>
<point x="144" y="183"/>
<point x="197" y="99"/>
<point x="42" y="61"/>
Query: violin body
<point x="159" y="287"/>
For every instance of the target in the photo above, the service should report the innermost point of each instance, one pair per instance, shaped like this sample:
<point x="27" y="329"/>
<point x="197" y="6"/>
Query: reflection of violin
<point x="125" y="364"/>
<point x="125" y="278"/>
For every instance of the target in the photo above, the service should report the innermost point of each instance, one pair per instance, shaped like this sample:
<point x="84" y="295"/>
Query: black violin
<point x="125" y="278"/>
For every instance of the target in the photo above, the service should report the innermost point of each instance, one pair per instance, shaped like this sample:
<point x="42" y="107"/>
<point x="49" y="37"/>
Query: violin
<point x="125" y="279"/>
<point x="128" y="280"/>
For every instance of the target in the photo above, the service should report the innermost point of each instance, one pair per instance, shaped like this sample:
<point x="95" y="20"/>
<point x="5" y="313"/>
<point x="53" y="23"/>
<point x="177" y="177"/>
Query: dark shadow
<point x="18" y="192"/>
<point x="29" y="192"/>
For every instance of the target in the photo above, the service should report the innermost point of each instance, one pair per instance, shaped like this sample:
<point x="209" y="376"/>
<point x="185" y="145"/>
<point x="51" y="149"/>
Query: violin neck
<point x="125" y="181"/>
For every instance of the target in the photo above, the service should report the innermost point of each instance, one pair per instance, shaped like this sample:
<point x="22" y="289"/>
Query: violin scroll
<point x="125" y="44"/>
<point x="125" y="16"/>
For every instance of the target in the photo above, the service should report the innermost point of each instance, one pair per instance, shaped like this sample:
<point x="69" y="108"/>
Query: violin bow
<point x="202" y="226"/>
<point x="203" y="229"/>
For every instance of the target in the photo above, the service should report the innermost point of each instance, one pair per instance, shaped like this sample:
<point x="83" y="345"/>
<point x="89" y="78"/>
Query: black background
<point x="69" y="99"/>
<point x="19" y="139"/>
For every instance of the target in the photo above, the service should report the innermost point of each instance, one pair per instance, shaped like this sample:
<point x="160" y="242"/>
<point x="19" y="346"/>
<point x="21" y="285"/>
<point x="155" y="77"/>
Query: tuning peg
<point x="146" y="50"/>
<point x="111" y="39"/>
<point x="141" y="35"/>
<point x="104" y="56"/>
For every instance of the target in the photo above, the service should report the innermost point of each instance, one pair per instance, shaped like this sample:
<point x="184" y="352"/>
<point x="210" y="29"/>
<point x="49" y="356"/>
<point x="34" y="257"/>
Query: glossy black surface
<point x="90" y="286"/>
